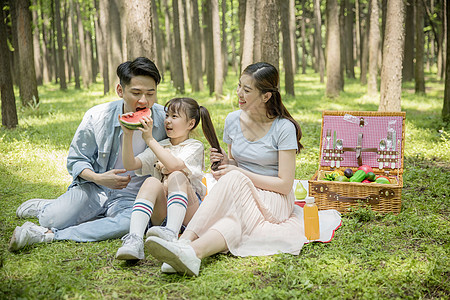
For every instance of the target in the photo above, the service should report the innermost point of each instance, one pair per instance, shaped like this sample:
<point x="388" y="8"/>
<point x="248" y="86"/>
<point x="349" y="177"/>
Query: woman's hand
<point x="222" y="170"/>
<point x="215" y="156"/>
<point x="147" y="128"/>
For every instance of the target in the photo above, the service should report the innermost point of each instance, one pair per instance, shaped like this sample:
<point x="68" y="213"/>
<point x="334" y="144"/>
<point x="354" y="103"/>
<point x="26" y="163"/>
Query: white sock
<point x="140" y="216"/>
<point x="176" y="210"/>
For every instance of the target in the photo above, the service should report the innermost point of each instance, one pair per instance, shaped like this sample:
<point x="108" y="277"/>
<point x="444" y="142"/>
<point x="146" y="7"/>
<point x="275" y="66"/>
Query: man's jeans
<point x="88" y="213"/>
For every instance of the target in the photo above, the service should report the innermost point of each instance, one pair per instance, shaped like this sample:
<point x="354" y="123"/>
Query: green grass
<point x="372" y="255"/>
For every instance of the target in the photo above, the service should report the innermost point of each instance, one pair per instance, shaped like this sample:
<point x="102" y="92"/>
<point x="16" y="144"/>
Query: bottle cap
<point x="309" y="200"/>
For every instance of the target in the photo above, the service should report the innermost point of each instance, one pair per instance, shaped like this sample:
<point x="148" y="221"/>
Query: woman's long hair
<point x="197" y="112"/>
<point x="266" y="79"/>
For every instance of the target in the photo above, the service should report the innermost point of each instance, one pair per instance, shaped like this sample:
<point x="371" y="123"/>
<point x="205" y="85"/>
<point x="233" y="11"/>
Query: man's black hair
<point x="140" y="66"/>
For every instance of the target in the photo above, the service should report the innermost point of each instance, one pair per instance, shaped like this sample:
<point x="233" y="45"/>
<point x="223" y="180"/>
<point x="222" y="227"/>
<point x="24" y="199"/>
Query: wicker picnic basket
<point x="361" y="134"/>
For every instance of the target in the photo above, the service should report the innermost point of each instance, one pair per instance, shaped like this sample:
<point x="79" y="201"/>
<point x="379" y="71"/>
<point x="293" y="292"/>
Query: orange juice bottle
<point x="311" y="219"/>
<point x="204" y="182"/>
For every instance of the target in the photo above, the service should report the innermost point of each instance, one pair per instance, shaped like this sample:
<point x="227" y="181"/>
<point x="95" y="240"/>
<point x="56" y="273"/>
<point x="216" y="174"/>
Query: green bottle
<point x="300" y="192"/>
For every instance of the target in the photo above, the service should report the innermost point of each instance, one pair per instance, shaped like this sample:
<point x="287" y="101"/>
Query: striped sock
<point x="140" y="216"/>
<point x="176" y="210"/>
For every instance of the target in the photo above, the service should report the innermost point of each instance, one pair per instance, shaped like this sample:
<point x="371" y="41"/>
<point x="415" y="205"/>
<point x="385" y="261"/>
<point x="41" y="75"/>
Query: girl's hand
<point x="215" y="156"/>
<point x="147" y="124"/>
<point x="222" y="170"/>
<point x="125" y="130"/>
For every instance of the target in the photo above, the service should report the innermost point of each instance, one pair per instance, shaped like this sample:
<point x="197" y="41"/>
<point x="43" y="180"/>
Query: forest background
<point x="58" y="58"/>
<point x="197" y="43"/>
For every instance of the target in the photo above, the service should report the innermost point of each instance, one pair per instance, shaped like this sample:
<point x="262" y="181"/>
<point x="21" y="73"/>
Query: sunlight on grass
<point x="372" y="256"/>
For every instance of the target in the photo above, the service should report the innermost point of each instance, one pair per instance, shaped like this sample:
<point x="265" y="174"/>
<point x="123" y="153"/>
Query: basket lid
<point x="361" y="133"/>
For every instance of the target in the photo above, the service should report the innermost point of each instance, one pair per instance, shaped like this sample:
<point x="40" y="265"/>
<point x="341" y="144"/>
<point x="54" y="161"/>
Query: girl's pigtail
<point x="210" y="133"/>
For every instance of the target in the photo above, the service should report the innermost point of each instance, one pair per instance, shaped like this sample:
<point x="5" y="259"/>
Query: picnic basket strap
<point x="371" y="199"/>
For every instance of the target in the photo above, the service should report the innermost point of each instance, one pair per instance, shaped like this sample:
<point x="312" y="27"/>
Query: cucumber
<point x="359" y="176"/>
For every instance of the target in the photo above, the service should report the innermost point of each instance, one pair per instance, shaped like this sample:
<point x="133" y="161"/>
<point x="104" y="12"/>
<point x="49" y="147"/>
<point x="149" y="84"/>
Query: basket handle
<point x="371" y="199"/>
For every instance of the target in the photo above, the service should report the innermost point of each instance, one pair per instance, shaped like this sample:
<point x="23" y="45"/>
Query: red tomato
<point x="366" y="181"/>
<point x="366" y="168"/>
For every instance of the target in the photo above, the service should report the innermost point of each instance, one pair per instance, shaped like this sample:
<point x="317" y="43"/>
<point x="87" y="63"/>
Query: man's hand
<point x="112" y="180"/>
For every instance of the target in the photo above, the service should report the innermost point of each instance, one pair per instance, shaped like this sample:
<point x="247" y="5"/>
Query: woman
<point x="250" y="210"/>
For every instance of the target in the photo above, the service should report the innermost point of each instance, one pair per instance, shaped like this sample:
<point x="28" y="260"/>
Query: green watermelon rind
<point x="131" y="126"/>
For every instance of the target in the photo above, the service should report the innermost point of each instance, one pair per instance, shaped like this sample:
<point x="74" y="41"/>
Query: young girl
<point x="176" y="164"/>
<point x="250" y="210"/>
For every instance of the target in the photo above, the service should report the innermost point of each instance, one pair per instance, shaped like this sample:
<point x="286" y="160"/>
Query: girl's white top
<point x="191" y="151"/>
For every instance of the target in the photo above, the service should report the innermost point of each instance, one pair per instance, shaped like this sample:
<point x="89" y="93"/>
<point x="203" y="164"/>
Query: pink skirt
<point x="254" y="222"/>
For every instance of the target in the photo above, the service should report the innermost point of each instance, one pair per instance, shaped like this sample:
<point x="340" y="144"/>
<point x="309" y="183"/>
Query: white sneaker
<point x="31" y="208"/>
<point x="178" y="254"/>
<point x="162" y="232"/>
<point x="132" y="248"/>
<point x="167" y="269"/>
<point x="28" y="234"/>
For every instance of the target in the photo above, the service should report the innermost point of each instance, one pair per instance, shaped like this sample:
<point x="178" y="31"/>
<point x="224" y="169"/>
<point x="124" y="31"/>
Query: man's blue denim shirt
<point x="95" y="145"/>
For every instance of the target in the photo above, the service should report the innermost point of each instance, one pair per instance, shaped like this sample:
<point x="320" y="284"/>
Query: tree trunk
<point x="15" y="65"/>
<point x="46" y="65"/>
<point x="218" y="63"/>
<point x="197" y="84"/>
<point x="36" y="46"/>
<point x="249" y="31"/>
<point x="61" y="64"/>
<point x="115" y="56"/>
<point x="184" y="8"/>
<point x="209" y="47"/>
<point x="242" y="11"/>
<point x="224" y="40"/>
<point x="92" y="61"/>
<point x="270" y="45"/>
<point x="169" y="38"/>
<point x="139" y="36"/>
<point x="320" y="59"/>
<point x="256" y="37"/>
<point x="85" y="72"/>
<point x="343" y="45"/>
<point x="177" y="72"/>
<point x="27" y="82"/>
<point x="103" y="22"/>
<point x="408" y="61"/>
<point x="365" y="46"/>
<point x="184" y="51"/>
<point x="348" y="32"/>
<point x="333" y="50"/>
<point x="383" y="23"/>
<point x="445" y="28"/>
<point x="358" y="33"/>
<point x="53" y="37"/>
<point x="159" y="61"/>
<point x="68" y="51"/>
<point x="418" y="71"/>
<point x="446" y="106"/>
<point x="9" y="111"/>
<point x="292" y="30"/>
<point x="391" y="72"/>
<point x="303" y="39"/>
<point x="442" y="41"/>
<point x="374" y="44"/>
<point x="234" y="61"/>
<point x="72" y="30"/>
<point x="287" y="51"/>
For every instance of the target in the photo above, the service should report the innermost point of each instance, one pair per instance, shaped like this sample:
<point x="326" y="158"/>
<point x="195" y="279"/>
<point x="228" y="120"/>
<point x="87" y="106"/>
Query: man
<point x="97" y="205"/>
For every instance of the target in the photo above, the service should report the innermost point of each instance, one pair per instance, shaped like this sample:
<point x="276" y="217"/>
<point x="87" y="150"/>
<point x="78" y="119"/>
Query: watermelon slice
<point x="131" y="121"/>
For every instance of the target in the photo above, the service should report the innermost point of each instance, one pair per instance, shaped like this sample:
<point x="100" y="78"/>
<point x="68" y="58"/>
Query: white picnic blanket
<point x="329" y="220"/>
